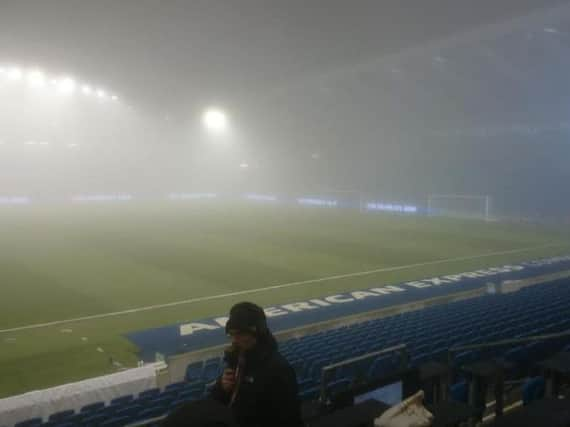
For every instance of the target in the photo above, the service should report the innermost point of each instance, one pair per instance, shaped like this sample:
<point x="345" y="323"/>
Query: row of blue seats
<point x="428" y="334"/>
<point x="532" y="311"/>
<point x="125" y="409"/>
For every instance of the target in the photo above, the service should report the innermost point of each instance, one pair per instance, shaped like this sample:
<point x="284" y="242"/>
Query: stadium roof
<point x="497" y="78"/>
<point x="170" y="52"/>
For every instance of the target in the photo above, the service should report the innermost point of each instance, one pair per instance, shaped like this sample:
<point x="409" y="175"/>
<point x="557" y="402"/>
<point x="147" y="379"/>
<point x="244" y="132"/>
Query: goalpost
<point x="460" y="205"/>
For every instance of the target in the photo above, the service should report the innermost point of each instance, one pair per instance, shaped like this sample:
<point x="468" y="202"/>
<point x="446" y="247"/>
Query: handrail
<point x="509" y="341"/>
<point x="403" y="348"/>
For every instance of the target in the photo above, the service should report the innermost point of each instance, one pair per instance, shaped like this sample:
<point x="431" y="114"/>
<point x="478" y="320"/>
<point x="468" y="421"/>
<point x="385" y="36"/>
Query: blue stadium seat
<point x="175" y="387"/>
<point x="212" y="370"/>
<point x="191" y="394"/>
<point x="338" y="386"/>
<point x="533" y="389"/>
<point x="92" y="407"/>
<point x="149" y="394"/>
<point x="151" y="413"/>
<point x="32" y="422"/>
<point x="117" y="422"/>
<point x="310" y="394"/>
<point x="162" y="401"/>
<point x="520" y="358"/>
<point x="466" y="357"/>
<point x="94" y="420"/>
<point x="175" y="403"/>
<point x="382" y="366"/>
<point x="129" y="411"/>
<point x="61" y="416"/>
<point x="123" y="400"/>
<point x="459" y="392"/>
<point x="194" y="371"/>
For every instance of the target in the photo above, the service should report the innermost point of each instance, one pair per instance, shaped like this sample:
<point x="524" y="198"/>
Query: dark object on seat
<point x="204" y="413"/>
<point x="353" y="416"/>
<point x="533" y="389"/>
<point x="547" y="412"/>
<point x="450" y="414"/>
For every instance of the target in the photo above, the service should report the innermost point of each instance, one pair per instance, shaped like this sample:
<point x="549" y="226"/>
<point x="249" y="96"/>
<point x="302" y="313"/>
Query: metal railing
<point x="326" y="370"/>
<point x="503" y="343"/>
<point x="498" y="407"/>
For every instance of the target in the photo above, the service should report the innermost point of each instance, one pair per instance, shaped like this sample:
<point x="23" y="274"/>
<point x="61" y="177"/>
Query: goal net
<point x="460" y="206"/>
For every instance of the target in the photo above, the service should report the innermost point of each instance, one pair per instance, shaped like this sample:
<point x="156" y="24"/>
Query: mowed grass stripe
<point x="274" y="287"/>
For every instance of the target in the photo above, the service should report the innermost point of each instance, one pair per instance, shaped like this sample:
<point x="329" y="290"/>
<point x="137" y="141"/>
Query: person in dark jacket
<point x="258" y="384"/>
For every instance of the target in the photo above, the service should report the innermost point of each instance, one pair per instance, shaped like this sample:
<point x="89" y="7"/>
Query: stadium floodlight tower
<point x="460" y="205"/>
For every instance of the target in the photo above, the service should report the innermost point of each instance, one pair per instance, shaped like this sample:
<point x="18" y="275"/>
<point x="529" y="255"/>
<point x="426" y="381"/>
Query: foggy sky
<point x="322" y="77"/>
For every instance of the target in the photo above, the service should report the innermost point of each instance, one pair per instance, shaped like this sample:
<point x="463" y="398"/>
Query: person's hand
<point x="228" y="380"/>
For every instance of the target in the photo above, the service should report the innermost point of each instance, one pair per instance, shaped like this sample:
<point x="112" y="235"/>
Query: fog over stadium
<point x="380" y="97"/>
<point x="366" y="174"/>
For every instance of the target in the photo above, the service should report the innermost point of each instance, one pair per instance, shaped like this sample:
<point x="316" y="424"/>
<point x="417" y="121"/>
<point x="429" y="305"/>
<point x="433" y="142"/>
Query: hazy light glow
<point x="36" y="79"/>
<point x="191" y="196"/>
<point x="244" y="165"/>
<point x="102" y="198"/>
<point x="311" y="201"/>
<point x="215" y="121"/>
<point x="67" y="86"/>
<point x="14" y="200"/>
<point x="15" y="74"/>
<point x="261" y="197"/>
<point x="391" y="207"/>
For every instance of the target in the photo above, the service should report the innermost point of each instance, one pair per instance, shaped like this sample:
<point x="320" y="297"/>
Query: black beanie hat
<point x="247" y="317"/>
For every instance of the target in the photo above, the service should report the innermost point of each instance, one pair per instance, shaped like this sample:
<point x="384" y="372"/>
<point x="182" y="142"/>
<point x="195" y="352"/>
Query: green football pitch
<point x="75" y="279"/>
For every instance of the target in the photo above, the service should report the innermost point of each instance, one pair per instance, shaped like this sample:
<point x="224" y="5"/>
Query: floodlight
<point x="67" y="86"/>
<point x="114" y="97"/>
<point x="36" y="79"/>
<point x="243" y="165"/>
<point x="15" y="74"/>
<point x="215" y="121"/>
<point x="86" y="90"/>
<point x="101" y="94"/>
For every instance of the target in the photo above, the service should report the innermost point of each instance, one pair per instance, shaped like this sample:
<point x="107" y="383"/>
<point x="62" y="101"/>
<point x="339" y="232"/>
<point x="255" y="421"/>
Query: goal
<point x="460" y="206"/>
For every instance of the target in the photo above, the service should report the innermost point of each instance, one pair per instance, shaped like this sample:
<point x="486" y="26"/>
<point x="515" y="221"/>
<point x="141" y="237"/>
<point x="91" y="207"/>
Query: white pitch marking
<point x="271" y="288"/>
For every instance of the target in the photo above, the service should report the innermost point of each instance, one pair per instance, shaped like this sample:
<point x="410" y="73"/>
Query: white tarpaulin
<point x="43" y="403"/>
